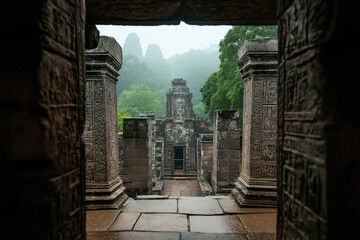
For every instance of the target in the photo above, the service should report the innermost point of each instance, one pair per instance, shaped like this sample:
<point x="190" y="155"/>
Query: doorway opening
<point x="178" y="159"/>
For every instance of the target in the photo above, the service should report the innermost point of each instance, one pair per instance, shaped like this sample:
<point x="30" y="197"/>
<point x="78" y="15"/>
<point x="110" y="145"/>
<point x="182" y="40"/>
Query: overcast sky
<point x="172" y="39"/>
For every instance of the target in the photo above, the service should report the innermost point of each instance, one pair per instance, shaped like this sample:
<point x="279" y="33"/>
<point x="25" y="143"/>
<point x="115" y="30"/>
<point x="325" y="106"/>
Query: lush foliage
<point x="139" y="98"/>
<point x="224" y="88"/>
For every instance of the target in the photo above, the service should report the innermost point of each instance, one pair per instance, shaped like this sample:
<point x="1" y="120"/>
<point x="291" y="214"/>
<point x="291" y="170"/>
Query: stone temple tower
<point x="179" y="130"/>
<point x="179" y="105"/>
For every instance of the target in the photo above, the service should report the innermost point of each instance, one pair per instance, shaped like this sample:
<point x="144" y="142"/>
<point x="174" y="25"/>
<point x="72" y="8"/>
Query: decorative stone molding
<point x="256" y="185"/>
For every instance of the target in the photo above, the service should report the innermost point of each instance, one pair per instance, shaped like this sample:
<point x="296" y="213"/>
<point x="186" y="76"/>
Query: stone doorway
<point x="178" y="160"/>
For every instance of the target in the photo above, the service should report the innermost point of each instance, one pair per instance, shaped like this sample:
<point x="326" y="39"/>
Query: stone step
<point x="176" y="177"/>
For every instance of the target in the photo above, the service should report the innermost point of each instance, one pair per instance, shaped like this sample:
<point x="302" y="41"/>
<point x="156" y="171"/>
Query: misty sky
<point x="172" y="39"/>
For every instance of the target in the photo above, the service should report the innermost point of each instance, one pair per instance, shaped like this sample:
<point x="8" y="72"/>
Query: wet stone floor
<point x="181" y="216"/>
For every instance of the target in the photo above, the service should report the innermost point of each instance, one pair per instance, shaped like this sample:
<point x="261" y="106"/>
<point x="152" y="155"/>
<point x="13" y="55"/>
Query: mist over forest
<point x="212" y="75"/>
<point x="149" y="73"/>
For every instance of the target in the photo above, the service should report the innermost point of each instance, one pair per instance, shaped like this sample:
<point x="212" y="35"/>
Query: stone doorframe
<point x="42" y="171"/>
<point x="173" y="157"/>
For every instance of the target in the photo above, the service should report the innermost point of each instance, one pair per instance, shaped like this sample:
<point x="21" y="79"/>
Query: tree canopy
<point x="224" y="89"/>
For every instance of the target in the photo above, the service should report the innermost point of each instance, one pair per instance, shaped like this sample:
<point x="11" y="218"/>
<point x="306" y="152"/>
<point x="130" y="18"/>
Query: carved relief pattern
<point x="303" y="27"/>
<point x="246" y="127"/>
<point x="111" y="126"/>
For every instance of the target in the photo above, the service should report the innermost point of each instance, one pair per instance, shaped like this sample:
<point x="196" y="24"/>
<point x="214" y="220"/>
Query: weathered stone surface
<point x="136" y="172"/>
<point x="42" y="119"/>
<point x="216" y="224"/>
<point x="103" y="185"/>
<point x="203" y="206"/>
<point x="265" y="222"/>
<point x="151" y="206"/>
<point x="226" y="155"/>
<point x="213" y="236"/>
<point x="121" y="153"/>
<point x="205" y="158"/>
<point x="124" y="222"/>
<point x="256" y="185"/>
<point x="314" y="167"/>
<point x="100" y="220"/>
<point x="133" y="235"/>
<point x="162" y="223"/>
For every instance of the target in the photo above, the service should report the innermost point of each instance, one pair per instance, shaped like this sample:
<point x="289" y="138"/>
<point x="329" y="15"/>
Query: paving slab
<point x="199" y="206"/>
<point x="148" y="197"/>
<point x="151" y="206"/>
<point x="133" y="236"/>
<point x="162" y="223"/>
<point x="216" y="224"/>
<point x="100" y="220"/>
<point x="229" y="205"/>
<point x="265" y="222"/>
<point x="212" y="236"/>
<point x="261" y="236"/>
<point x="257" y="210"/>
<point x="124" y="222"/>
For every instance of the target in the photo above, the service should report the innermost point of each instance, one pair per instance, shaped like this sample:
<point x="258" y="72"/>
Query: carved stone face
<point x="180" y="108"/>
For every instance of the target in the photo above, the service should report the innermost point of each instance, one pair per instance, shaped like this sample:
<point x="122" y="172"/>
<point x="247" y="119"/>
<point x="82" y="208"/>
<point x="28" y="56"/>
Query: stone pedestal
<point x="137" y="172"/>
<point x="104" y="188"/>
<point x="256" y="185"/>
<point x="226" y="150"/>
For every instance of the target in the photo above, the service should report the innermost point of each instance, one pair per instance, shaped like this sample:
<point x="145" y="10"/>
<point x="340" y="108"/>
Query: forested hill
<point x="149" y="75"/>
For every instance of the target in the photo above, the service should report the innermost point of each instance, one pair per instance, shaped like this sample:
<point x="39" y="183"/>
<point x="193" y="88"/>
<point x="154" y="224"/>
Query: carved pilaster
<point x="104" y="188"/>
<point x="256" y="185"/>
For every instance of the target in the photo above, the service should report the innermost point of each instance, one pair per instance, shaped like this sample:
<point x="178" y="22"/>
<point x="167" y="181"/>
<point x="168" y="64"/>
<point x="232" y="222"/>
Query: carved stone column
<point x="104" y="188"/>
<point x="226" y="150"/>
<point x="256" y="185"/>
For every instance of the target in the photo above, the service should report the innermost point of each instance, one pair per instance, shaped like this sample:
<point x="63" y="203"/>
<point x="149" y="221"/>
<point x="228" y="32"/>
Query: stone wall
<point x="137" y="165"/>
<point x="256" y="185"/>
<point x="226" y="150"/>
<point x="205" y="163"/>
<point x="42" y="120"/>
<point x="318" y="124"/>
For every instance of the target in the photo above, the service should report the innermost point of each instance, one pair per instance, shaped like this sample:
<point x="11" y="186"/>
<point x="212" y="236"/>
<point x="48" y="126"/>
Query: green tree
<point x="120" y="119"/>
<point x="139" y="98"/>
<point x="229" y="89"/>
<point x="199" y="110"/>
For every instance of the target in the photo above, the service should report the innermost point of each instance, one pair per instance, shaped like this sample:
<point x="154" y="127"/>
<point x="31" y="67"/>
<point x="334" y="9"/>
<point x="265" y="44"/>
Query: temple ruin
<point x="43" y="88"/>
<point x="169" y="143"/>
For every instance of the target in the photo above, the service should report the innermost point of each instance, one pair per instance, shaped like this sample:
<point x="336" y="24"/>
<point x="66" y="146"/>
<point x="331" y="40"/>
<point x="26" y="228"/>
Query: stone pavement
<point x="181" y="188"/>
<point x="211" y="217"/>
